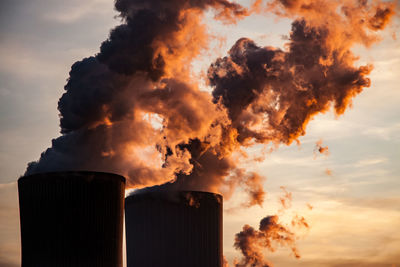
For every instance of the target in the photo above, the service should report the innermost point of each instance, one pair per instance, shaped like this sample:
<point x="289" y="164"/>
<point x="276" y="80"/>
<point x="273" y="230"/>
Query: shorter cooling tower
<point x="174" y="229"/>
<point x="71" y="219"/>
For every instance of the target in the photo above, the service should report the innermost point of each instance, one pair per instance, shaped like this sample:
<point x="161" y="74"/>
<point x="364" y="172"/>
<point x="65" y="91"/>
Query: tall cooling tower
<point x="181" y="229"/>
<point x="71" y="219"/>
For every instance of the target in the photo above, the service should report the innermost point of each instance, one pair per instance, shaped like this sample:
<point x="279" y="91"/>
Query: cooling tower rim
<point x="166" y="194"/>
<point x="58" y="174"/>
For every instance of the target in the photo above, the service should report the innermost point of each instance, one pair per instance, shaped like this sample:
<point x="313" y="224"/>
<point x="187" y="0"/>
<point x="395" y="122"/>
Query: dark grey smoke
<point x="260" y="94"/>
<point x="252" y="242"/>
<point x="280" y="91"/>
<point x="107" y="95"/>
<point x="141" y="76"/>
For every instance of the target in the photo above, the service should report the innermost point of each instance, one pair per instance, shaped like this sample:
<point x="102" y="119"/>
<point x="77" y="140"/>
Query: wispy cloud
<point x="73" y="11"/>
<point x="292" y="161"/>
<point x="368" y="162"/>
<point x="387" y="203"/>
<point x="17" y="60"/>
<point x="391" y="132"/>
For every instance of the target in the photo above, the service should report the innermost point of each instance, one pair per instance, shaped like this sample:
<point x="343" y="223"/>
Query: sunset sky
<point x="354" y="190"/>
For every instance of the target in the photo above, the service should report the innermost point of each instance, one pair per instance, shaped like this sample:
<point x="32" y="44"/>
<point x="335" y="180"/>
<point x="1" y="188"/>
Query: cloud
<point x="307" y="161"/>
<point x="73" y="11"/>
<point x="18" y="59"/>
<point x="386" y="133"/>
<point x="372" y="161"/>
<point x="384" y="203"/>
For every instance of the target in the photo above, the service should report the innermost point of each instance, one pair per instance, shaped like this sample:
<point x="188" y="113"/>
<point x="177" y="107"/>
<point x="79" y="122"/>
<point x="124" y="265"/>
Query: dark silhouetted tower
<point x="174" y="229"/>
<point x="71" y="219"/>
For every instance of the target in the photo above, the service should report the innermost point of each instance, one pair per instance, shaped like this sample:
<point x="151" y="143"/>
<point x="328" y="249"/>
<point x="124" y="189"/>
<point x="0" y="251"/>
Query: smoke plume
<point x="286" y="199"/>
<point x="328" y="172"/>
<point x="136" y="109"/>
<point x="252" y="242"/>
<point x="319" y="148"/>
<point x="113" y="100"/>
<point x="271" y="234"/>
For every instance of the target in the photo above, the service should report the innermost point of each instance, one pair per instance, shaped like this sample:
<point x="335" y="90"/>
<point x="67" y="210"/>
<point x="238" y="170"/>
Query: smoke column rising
<point x="135" y="108"/>
<point x="141" y="69"/>
<point x="260" y="94"/>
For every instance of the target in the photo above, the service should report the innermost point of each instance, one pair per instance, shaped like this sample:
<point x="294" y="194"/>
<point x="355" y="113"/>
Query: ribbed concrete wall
<point x="181" y="229"/>
<point x="71" y="219"/>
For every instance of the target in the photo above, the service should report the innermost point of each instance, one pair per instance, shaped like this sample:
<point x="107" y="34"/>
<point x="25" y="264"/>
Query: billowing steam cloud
<point x="135" y="107"/>
<point x="271" y="94"/>
<point x="271" y="234"/>
<point x="252" y="242"/>
<point x="109" y="112"/>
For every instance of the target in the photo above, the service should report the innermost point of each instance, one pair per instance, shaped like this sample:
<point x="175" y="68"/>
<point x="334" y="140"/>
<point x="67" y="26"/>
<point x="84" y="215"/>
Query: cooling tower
<point x="180" y="229"/>
<point x="71" y="219"/>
